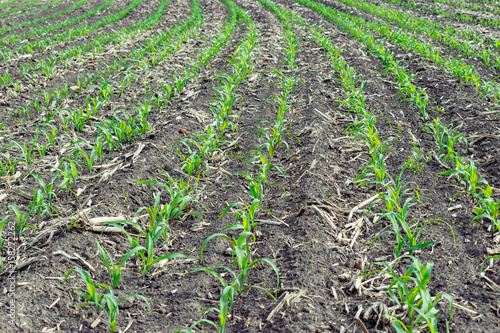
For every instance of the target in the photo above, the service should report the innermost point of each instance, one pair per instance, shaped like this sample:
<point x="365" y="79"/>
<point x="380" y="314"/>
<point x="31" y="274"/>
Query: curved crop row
<point x="72" y="34"/>
<point x="431" y="28"/>
<point x="34" y="10"/>
<point x="22" y="7"/>
<point x="6" y="41"/>
<point x="455" y="16"/>
<point x="457" y="67"/>
<point x="76" y="5"/>
<point x="396" y="198"/>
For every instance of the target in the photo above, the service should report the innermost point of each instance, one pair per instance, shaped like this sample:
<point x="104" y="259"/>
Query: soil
<point x="317" y="258"/>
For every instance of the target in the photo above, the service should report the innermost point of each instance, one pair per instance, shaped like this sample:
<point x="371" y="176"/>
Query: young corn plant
<point x="274" y="136"/>
<point x="241" y="258"/>
<point x="413" y="296"/>
<point x="159" y="217"/>
<point x="114" y="271"/>
<point x="248" y="214"/>
<point x="47" y="192"/>
<point x="106" y="302"/>
<point x="99" y="148"/>
<point x="264" y="174"/>
<point x="206" y="145"/>
<point x="88" y="159"/>
<point x="26" y="151"/>
<point x="110" y="139"/>
<point x="417" y="160"/>
<point x="69" y="173"/>
<point x="407" y="234"/>
<point x="22" y="219"/>
<point x="147" y="252"/>
<point x="180" y="197"/>
<point x="8" y="164"/>
<point x="487" y="207"/>
<point x="467" y="175"/>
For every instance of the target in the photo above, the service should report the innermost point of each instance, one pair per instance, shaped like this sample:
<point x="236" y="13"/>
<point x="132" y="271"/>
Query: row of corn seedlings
<point x="421" y="306"/>
<point x="157" y="229"/>
<point x="153" y="51"/>
<point x="466" y="5"/>
<point x="73" y="33"/>
<point x="457" y="16"/>
<point x="157" y="232"/>
<point x="7" y="29"/>
<point x="445" y="138"/>
<point x="432" y="29"/>
<point x="462" y="71"/>
<point x="245" y="216"/>
<point x="116" y="131"/>
<point x="18" y="9"/>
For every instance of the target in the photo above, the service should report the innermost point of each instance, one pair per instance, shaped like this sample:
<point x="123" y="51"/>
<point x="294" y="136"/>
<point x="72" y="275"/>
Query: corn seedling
<point x="89" y="159"/>
<point x="488" y="207"/>
<point x="22" y="219"/>
<point x="397" y="212"/>
<point x="2" y="223"/>
<point x="481" y="274"/>
<point x="265" y="167"/>
<point x="179" y="197"/>
<point x="241" y="258"/>
<point x="47" y="192"/>
<point x="274" y="136"/>
<point x="99" y="148"/>
<point x="206" y="146"/>
<point x="114" y="271"/>
<point x="417" y="159"/>
<point x="26" y="151"/>
<point x="159" y="217"/>
<point x="248" y="214"/>
<point x="9" y="165"/>
<point x="146" y="252"/>
<point x="69" y="173"/>
<point x="413" y="296"/>
<point x="467" y="176"/>
<point x="106" y="302"/>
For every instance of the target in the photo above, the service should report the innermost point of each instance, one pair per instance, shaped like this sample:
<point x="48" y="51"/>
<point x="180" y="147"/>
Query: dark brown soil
<point x="313" y="258"/>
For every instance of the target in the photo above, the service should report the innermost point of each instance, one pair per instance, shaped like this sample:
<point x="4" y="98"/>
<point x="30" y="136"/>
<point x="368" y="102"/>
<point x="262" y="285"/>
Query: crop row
<point x="50" y="42"/>
<point x="495" y="23"/>
<point x="457" y="67"/>
<point x="6" y="29"/>
<point x="179" y="190"/>
<point x="445" y="139"/>
<point x="432" y="29"/>
<point x="407" y="236"/>
<point x="468" y="6"/>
